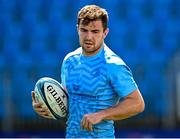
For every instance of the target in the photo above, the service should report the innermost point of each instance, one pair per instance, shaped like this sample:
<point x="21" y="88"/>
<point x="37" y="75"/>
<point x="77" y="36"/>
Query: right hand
<point x="38" y="107"/>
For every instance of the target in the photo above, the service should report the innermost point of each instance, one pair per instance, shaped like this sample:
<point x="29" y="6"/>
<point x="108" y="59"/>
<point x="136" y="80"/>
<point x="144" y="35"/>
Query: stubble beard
<point x="92" y="51"/>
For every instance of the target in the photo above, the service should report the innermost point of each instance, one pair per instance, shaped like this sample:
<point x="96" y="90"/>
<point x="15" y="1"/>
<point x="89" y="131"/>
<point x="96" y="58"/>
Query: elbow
<point x="140" y="103"/>
<point x="141" y="106"/>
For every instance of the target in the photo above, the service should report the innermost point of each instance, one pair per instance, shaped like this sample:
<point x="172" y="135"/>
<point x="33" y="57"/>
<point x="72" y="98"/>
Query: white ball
<point x="51" y="93"/>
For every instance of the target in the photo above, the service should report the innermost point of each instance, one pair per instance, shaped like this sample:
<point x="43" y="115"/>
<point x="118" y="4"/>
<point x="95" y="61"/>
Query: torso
<point x="89" y="91"/>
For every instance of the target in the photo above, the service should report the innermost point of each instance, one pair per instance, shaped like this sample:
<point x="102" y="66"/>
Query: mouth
<point x="88" y="43"/>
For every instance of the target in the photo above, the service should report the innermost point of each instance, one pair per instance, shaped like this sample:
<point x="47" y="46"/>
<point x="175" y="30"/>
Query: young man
<point x="100" y="86"/>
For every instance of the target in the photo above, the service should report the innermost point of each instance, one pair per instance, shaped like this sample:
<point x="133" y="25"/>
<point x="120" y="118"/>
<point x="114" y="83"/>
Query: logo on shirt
<point x="70" y="67"/>
<point x="96" y="73"/>
<point x="76" y="87"/>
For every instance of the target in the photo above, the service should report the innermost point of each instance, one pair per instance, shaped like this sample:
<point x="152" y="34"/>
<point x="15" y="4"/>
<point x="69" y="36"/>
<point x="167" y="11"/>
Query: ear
<point x="106" y="31"/>
<point x="77" y="27"/>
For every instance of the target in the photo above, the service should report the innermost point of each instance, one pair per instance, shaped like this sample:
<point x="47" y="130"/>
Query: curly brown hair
<point x="91" y="13"/>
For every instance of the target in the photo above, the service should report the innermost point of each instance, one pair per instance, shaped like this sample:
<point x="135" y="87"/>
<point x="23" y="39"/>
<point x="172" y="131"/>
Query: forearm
<point x="119" y="112"/>
<point x="130" y="106"/>
<point x="125" y="109"/>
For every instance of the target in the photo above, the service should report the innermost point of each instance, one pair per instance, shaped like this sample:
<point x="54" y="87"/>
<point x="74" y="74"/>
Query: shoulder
<point x="111" y="58"/>
<point x="75" y="53"/>
<point x="114" y="63"/>
<point x="71" y="58"/>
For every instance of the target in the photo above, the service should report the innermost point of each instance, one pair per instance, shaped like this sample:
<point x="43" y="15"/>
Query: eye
<point x="95" y="31"/>
<point x="83" y="30"/>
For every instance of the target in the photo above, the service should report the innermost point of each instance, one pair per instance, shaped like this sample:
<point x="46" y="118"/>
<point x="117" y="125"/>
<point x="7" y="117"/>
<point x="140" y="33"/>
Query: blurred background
<point x="35" y="35"/>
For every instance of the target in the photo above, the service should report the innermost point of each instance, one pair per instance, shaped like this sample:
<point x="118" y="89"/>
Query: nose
<point x="89" y="35"/>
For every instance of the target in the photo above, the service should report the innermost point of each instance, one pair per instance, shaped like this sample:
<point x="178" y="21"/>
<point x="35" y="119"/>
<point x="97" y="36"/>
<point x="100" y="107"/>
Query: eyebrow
<point x="94" y="30"/>
<point x="82" y="28"/>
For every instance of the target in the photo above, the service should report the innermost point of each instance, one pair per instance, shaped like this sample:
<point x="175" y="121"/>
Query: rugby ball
<point x="51" y="94"/>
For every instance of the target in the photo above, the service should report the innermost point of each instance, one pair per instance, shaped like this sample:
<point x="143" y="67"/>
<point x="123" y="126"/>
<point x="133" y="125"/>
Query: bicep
<point x="136" y="94"/>
<point x="136" y="98"/>
<point x="121" y="80"/>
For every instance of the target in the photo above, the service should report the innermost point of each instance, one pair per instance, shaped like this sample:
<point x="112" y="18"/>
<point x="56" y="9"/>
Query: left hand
<point x="91" y="119"/>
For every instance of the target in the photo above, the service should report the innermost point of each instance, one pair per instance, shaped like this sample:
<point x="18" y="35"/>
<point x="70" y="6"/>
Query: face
<point x="91" y="37"/>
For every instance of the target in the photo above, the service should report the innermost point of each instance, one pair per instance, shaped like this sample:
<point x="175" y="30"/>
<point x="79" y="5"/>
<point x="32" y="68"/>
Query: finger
<point x="37" y="105"/>
<point x="91" y="128"/>
<point x="40" y="110"/>
<point x="47" y="116"/>
<point x="33" y="96"/>
<point x="43" y="110"/>
<point x="85" y="124"/>
<point x="43" y="113"/>
<point x="88" y="125"/>
<point x="82" y="124"/>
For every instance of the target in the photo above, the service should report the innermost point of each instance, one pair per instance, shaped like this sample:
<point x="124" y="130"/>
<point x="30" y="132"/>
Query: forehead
<point x="96" y="24"/>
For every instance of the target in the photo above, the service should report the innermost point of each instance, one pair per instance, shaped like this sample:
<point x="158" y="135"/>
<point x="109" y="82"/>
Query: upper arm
<point x="136" y="98"/>
<point x="121" y="80"/>
<point x="136" y="94"/>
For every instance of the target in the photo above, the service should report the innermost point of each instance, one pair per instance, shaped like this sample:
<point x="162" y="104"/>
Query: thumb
<point x="33" y="96"/>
